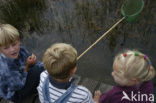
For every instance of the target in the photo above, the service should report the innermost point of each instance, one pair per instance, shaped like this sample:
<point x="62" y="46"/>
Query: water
<point x="80" y="23"/>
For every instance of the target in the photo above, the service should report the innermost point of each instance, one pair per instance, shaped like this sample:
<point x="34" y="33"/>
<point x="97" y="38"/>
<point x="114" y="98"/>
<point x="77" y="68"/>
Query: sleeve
<point x="39" y="88"/>
<point x="87" y="95"/>
<point x="104" y="98"/>
<point x="89" y="98"/>
<point x="40" y="65"/>
<point x="115" y="97"/>
<point x="25" y="54"/>
<point x="9" y="81"/>
<point x="9" y="84"/>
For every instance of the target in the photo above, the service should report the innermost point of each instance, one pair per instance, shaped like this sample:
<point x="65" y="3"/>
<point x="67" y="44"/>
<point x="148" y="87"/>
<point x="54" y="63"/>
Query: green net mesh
<point x="131" y="9"/>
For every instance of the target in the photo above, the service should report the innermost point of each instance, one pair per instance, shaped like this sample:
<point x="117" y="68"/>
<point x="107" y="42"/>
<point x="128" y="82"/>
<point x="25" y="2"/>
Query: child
<point x="19" y="72"/>
<point x="56" y="84"/>
<point x="132" y="71"/>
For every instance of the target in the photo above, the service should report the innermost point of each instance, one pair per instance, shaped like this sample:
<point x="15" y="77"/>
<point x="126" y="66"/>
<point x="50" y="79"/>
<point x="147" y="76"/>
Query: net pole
<point x="91" y="46"/>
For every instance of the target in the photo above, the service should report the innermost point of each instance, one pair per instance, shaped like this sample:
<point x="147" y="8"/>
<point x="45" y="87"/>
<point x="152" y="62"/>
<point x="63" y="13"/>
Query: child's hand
<point x="97" y="95"/>
<point x="31" y="60"/>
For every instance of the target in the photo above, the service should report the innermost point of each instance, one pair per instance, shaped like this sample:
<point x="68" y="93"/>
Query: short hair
<point x="59" y="60"/>
<point x="134" y="64"/>
<point x="8" y="34"/>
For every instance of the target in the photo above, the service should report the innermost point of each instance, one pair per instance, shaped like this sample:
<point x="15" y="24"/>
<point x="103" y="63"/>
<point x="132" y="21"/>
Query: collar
<point x="61" y="85"/>
<point x="130" y="88"/>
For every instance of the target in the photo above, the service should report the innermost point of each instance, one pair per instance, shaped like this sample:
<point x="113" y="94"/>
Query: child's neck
<point x="62" y="80"/>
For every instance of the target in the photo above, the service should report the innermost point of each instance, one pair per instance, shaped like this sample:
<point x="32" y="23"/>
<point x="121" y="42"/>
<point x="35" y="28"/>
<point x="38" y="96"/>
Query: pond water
<point x="80" y="23"/>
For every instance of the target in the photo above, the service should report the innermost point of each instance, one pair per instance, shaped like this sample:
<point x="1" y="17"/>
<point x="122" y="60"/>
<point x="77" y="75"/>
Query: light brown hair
<point x="59" y="60"/>
<point x="8" y="34"/>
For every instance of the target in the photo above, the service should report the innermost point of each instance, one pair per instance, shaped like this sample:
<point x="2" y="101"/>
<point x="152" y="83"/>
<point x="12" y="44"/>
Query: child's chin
<point x="13" y="57"/>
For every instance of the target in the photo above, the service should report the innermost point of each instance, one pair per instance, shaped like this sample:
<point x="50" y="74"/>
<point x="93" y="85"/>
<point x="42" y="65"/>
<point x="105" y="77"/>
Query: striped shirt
<point x="80" y="94"/>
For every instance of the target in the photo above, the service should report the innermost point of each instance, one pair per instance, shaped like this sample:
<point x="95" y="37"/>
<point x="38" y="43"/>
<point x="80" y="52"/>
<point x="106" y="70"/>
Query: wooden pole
<point x="91" y="46"/>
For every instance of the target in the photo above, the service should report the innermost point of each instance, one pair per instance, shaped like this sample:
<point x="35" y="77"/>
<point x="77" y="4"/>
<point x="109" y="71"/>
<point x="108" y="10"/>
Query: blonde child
<point x="19" y="71"/>
<point x="56" y="84"/>
<point x="132" y="71"/>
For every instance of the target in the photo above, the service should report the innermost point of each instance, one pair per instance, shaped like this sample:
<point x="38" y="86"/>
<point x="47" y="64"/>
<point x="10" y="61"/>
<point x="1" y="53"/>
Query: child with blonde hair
<point x="133" y="72"/>
<point x="56" y="83"/>
<point x="19" y="71"/>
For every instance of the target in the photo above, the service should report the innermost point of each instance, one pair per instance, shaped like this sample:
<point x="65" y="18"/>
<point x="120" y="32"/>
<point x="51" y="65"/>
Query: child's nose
<point x="12" y="48"/>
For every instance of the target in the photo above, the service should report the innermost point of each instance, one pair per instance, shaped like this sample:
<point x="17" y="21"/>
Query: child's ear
<point x="134" y="80"/>
<point x="73" y="70"/>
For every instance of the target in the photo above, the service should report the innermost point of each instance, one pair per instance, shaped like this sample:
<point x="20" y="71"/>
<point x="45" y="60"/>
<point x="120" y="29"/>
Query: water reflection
<point x="81" y="22"/>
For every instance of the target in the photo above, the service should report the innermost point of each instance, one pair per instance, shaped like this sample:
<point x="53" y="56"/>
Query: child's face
<point x="117" y="76"/>
<point x="11" y="50"/>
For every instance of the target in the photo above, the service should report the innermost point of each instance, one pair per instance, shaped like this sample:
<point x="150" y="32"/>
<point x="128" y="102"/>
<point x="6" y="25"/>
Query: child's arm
<point x="31" y="60"/>
<point x="9" y="81"/>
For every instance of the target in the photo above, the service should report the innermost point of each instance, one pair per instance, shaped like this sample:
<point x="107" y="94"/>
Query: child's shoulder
<point x="82" y="88"/>
<point x="24" y="51"/>
<point x="83" y="91"/>
<point x="1" y="61"/>
<point x="43" y="75"/>
<point x="2" y="58"/>
<point x="22" y="48"/>
<point x="3" y="64"/>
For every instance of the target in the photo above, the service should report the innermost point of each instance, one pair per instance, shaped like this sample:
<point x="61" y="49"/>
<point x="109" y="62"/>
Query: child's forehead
<point x="9" y="43"/>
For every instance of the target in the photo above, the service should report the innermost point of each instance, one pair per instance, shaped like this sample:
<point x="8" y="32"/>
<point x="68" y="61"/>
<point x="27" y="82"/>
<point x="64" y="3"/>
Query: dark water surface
<point x="80" y="23"/>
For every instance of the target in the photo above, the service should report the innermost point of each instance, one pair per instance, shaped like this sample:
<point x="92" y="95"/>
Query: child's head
<point x="9" y="41"/>
<point x="59" y="60"/>
<point x="132" y="67"/>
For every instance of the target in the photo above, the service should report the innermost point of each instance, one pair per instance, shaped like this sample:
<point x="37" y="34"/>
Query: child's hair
<point x="59" y="60"/>
<point x="8" y="34"/>
<point x="134" y="64"/>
